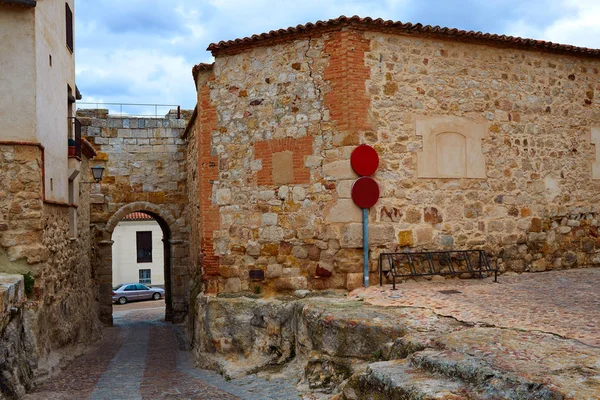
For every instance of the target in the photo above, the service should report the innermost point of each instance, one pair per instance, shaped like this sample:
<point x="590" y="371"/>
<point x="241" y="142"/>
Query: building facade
<point x="138" y="254"/>
<point x="44" y="195"/>
<point x="484" y="141"/>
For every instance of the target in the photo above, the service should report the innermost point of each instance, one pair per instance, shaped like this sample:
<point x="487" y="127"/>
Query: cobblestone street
<point x="565" y="303"/>
<point x="141" y="358"/>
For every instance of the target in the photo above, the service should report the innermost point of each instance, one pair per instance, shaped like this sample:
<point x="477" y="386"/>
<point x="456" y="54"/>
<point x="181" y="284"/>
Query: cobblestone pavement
<point x="566" y="303"/>
<point x="141" y="358"/>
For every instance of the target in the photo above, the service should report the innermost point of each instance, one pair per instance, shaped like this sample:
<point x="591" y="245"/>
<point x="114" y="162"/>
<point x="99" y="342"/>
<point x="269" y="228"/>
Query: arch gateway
<point x="144" y="160"/>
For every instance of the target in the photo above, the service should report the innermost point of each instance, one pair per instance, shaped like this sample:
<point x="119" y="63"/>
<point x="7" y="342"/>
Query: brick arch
<point x="154" y="210"/>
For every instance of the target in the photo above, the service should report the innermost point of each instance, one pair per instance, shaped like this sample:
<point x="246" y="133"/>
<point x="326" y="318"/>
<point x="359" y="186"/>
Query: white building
<point x="137" y="252"/>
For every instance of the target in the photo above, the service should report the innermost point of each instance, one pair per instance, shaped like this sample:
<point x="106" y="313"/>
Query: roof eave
<point x="237" y="45"/>
<point x="22" y="3"/>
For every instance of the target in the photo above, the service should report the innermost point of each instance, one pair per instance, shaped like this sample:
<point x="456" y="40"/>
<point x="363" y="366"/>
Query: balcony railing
<point x="139" y="110"/>
<point x="74" y="139"/>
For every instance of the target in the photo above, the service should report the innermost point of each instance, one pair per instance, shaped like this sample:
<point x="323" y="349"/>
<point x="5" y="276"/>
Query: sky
<point x="143" y="51"/>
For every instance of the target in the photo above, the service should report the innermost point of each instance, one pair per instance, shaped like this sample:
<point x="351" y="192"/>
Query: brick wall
<point x="208" y="173"/>
<point x="299" y="148"/>
<point x="347" y="100"/>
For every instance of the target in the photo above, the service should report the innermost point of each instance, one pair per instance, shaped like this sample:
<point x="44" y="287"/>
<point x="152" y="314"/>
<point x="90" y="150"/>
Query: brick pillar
<point x="348" y="101"/>
<point x="208" y="170"/>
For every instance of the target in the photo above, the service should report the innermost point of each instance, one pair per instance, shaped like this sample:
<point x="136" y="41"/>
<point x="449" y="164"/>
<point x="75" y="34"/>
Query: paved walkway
<point x="140" y="358"/>
<point x="566" y="303"/>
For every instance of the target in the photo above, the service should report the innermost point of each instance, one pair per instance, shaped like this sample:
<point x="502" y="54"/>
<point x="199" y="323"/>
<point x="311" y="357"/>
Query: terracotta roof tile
<point x="400" y="27"/>
<point x="137" y="216"/>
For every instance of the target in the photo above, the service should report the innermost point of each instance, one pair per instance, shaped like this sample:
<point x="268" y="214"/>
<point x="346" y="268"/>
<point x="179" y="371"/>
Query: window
<point x="69" y="25"/>
<point x="144" y="247"/>
<point x="145" y="277"/>
<point x="130" y="288"/>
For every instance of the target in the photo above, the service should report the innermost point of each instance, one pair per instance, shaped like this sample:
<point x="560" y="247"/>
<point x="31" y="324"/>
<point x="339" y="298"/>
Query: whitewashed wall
<point x="125" y="265"/>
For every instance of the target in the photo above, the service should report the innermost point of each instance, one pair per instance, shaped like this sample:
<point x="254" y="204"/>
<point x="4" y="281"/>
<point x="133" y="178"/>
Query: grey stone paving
<point x="250" y="387"/>
<point x="121" y="367"/>
<point x="124" y="375"/>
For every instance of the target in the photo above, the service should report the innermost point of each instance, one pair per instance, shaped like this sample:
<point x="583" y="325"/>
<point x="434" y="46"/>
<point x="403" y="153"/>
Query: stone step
<point x="401" y="380"/>
<point x="488" y="381"/>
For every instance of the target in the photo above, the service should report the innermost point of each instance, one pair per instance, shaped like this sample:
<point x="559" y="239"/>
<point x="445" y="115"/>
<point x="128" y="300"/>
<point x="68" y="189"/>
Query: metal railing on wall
<point x="139" y="110"/>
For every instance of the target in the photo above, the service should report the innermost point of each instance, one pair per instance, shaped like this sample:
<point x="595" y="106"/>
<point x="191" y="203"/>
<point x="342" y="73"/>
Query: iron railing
<point x="74" y="137"/>
<point x="429" y="263"/>
<point x="136" y="109"/>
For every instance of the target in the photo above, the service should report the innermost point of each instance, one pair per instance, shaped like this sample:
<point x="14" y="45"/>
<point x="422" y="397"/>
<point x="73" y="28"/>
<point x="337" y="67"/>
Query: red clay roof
<point x="406" y="28"/>
<point x="137" y="216"/>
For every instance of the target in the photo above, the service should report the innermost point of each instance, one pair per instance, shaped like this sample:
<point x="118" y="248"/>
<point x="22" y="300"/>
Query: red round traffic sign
<point x="365" y="192"/>
<point x="364" y="160"/>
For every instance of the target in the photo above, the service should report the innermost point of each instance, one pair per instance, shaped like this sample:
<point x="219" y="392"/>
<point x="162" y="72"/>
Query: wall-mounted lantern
<point x="97" y="173"/>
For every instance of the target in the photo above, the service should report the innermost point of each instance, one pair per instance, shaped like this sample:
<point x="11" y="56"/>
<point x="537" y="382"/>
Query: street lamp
<point x="97" y="172"/>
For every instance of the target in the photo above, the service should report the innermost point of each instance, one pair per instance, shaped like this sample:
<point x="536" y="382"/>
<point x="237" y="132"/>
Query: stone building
<point x="485" y="141"/>
<point x="145" y="162"/>
<point x="44" y="201"/>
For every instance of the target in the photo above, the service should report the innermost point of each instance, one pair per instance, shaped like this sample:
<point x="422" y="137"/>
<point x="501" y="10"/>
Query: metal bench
<point x="429" y="263"/>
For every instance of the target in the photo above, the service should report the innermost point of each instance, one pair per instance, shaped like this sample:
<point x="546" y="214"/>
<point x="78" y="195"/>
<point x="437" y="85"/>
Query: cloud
<point x="143" y="51"/>
<point x="577" y="24"/>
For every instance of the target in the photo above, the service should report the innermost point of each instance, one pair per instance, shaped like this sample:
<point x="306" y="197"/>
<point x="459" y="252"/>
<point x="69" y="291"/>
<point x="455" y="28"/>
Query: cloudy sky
<point x="142" y="51"/>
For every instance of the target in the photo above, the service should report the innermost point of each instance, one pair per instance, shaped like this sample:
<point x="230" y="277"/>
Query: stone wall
<point x="59" y="318"/>
<point x="145" y="170"/>
<point x="511" y="129"/>
<point x="20" y="207"/>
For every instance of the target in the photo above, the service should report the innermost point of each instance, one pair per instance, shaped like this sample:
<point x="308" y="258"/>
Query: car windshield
<point x="117" y="287"/>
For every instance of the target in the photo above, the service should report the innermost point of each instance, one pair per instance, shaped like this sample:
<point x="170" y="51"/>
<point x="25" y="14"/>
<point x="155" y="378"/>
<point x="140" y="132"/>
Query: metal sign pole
<point x="366" y="246"/>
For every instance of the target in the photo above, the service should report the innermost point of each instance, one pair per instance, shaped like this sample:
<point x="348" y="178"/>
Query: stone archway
<point x="174" y="256"/>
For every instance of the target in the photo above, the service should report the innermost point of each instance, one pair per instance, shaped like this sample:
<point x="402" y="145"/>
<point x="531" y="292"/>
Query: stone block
<point x="424" y="235"/>
<point x="269" y="219"/>
<point x="405" y="238"/>
<point x="412" y="216"/>
<point x="270" y="249"/>
<point x="266" y="195"/>
<point x="338" y="170"/>
<point x="432" y="216"/>
<point x="291" y="283"/>
<point x="274" y="271"/>
<point x="300" y="252"/>
<point x="536" y="225"/>
<point x="345" y="211"/>
<point x="348" y="260"/>
<point x="229" y="271"/>
<point x="271" y="234"/>
<point x="231" y="285"/>
<point x="298" y="193"/>
<point x="223" y="196"/>
<point x="381" y="234"/>
<point x="344" y="188"/>
<point x="354" y="281"/>
<point x="351" y="235"/>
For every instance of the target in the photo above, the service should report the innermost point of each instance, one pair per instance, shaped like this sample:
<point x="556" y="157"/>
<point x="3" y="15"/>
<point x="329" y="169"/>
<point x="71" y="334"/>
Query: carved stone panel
<point x="451" y="148"/>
